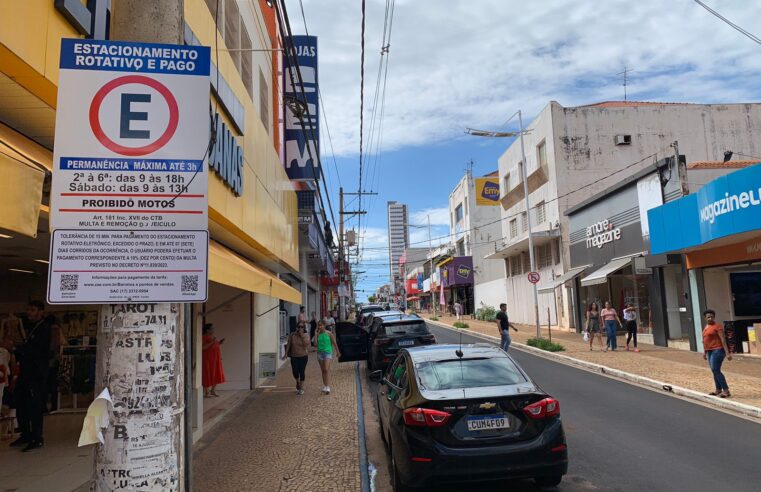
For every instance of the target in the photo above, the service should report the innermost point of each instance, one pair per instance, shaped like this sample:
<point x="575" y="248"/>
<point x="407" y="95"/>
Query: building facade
<point x="573" y="153"/>
<point x="474" y="229"/>
<point x="398" y="240"/>
<point x="254" y="235"/>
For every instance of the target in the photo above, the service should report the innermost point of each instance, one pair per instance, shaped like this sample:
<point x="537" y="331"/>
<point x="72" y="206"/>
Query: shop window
<point x="544" y="256"/>
<point x="541" y="215"/>
<point x="513" y="228"/>
<point x="232" y="31"/>
<point x="246" y="61"/>
<point x="524" y="222"/>
<point x="541" y="153"/>
<point x="264" y="97"/>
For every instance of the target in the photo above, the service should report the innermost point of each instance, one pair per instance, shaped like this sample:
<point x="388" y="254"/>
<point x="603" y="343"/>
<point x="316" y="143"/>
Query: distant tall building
<point x="398" y="240"/>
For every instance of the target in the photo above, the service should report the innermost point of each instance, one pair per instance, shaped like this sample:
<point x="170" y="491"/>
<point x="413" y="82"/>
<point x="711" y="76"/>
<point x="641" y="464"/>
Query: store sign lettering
<point x="227" y="159"/>
<point x="91" y="19"/>
<point x="602" y="233"/>
<point x="463" y="271"/>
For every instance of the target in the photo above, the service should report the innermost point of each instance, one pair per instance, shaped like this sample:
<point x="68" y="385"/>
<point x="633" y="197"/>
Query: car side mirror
<point x="376" y="376"/>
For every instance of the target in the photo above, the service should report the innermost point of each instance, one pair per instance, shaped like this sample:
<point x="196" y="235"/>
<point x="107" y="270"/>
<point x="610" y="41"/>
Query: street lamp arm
<point x="490" y="134"/>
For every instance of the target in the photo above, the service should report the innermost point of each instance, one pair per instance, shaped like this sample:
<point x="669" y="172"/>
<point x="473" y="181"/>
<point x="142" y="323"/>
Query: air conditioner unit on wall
<point x="623" y="139"/>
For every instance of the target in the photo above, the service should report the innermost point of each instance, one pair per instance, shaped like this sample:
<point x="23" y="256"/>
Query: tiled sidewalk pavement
<point x="279" y="441"/>
<point x="673" y="366"/>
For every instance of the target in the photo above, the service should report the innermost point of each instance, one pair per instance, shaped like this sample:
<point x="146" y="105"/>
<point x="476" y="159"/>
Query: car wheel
<point x="396" y="480"/>
<point x="382" y="431"/>
<point x="548" y="481"/>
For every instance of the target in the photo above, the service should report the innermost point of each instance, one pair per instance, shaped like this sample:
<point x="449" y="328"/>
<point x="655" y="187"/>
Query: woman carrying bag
<point x="297" y="349"/>
<point x="593" y="325"/>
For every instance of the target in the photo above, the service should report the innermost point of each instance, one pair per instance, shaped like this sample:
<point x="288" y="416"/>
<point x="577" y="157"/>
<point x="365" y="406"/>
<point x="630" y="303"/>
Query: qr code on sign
<point x="69" y="282"/>
<point x="189" y="283"/>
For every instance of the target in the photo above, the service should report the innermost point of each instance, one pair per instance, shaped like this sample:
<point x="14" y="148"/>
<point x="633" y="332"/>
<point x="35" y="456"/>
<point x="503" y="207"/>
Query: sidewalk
<point x="676" y="367"/>
<point x="279" y="441"/>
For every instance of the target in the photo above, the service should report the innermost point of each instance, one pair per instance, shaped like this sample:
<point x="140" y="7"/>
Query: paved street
<point x="622" y="437"/>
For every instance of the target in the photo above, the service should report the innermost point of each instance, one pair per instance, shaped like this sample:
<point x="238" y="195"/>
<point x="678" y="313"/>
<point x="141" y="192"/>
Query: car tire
<point x="396" y="481"/>
<point x="382" y="430"/>
<point x="548" y="481"/>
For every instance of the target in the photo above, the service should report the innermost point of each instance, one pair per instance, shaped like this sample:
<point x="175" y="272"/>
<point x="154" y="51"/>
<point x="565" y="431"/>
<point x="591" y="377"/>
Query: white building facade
<point x="398" y="240"/>
<point x="573" y="153"/>
<point x="474" y="230"/>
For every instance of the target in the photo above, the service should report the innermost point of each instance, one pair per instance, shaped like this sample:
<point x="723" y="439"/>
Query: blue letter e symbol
<point x="127" y="115"/>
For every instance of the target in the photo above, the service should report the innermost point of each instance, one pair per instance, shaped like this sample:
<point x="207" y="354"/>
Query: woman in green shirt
<point x="326" y="347"/>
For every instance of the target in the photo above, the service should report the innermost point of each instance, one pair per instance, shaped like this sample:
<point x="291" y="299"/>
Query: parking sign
<point x="129" y="205"/>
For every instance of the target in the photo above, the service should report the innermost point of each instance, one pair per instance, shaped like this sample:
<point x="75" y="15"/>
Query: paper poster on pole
<point x="129" y="201"/>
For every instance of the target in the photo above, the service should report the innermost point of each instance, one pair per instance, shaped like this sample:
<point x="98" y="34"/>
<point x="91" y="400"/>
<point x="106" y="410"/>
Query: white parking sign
<point x="129" y="205"/>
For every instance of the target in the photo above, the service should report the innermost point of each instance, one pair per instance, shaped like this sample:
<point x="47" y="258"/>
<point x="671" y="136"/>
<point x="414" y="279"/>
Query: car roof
<point x="432" y="353"/>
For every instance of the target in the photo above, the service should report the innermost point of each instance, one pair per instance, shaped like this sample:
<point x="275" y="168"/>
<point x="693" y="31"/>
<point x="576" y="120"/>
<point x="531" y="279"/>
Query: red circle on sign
<point x="533" y="277"/>
<point x="174" y="115"/>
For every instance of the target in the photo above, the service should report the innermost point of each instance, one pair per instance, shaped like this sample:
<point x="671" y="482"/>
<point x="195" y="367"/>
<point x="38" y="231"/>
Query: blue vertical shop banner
<point x="302" y="121"/>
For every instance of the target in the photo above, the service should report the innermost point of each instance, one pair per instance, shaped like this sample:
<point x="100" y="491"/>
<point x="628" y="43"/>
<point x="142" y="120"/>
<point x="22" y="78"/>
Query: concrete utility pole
<point x="141" y="347"/>
<point x="524" y="176"/>
<point x="430" y="253"/>
<point x="341" y="277"/>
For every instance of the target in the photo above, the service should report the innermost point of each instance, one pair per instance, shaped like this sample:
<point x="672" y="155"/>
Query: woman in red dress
<point x="213" y="372"/>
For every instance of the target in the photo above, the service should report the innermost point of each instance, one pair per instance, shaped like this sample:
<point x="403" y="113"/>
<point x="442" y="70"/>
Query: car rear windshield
<point x="468" y="373"/>
<point x="412" y="328"/>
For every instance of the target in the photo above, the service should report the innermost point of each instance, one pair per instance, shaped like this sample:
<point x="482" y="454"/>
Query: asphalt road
<point x="627" y="438"/>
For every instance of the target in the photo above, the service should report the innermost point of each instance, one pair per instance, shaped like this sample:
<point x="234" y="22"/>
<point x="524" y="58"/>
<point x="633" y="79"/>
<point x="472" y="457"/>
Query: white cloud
<point x="462" y="63"/>
<point x="439" y="216"/>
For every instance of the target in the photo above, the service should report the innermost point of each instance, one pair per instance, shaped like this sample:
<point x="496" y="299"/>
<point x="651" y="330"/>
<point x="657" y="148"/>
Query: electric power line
<point x="739" y="29"/>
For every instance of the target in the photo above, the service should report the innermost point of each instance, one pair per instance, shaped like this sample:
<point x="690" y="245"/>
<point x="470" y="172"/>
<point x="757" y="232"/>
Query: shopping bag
<point x="586" y="336"/>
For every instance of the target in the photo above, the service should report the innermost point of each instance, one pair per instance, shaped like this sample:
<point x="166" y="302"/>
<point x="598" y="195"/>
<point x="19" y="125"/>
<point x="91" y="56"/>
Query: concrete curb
<point x="724" y="404"/>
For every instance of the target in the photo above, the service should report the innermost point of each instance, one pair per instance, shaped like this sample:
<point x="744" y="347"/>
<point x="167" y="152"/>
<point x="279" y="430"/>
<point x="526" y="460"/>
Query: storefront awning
<point x="228" y="268"/>
<point x="600" y="276"/>
<point x="573" y="272"/>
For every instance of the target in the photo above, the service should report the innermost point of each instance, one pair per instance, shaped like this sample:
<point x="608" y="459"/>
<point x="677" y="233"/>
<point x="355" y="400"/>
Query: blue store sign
<point x="728" y="205"/>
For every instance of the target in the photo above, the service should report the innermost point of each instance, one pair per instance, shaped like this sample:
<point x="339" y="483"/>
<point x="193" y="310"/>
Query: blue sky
<point x="458" y="63"/>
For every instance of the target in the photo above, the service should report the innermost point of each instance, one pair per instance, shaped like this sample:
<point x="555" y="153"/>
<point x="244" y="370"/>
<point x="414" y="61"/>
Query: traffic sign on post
<point x="533" y="277"/>
<point x="129" y="202"/>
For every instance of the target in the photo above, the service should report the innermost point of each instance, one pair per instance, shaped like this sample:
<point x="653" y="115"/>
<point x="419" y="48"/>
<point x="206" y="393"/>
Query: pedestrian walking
<point x="312" y="327"/>
<point x="504" y="325"/>
<point x="593" y="324"/>
<point x="611" y="319"/>
<point x="297" y="348"/>
<point x="714" y="351"/>
<point x="30" y="392"/>
<point x="458" y="310"/>
<point x="213" y="372"/>
<point x="630" y="323"/>
<point x="302" y="317"/>
<point x="326" y="349"/>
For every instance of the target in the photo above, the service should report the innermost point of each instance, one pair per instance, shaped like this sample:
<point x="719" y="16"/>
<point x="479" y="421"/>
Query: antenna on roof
<point x="625" y="74"/>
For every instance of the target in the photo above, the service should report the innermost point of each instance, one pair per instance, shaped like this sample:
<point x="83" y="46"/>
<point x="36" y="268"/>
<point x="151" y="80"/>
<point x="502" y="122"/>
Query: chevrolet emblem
<point x="487" y="405"/>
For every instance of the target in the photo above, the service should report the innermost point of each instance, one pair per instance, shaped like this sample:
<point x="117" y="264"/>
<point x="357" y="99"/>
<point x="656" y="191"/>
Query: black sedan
<point x="458" y="414"/>
<point x="381" y="337"/>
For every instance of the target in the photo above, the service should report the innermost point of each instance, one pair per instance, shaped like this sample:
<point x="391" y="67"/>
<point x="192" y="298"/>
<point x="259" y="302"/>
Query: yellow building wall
<point x="267" y="209"/>
<point x="30" y="44"/>
<point x="265" y="215"/>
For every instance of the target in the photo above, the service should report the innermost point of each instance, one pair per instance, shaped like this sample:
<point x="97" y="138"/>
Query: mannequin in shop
<point x="31" y="389"/>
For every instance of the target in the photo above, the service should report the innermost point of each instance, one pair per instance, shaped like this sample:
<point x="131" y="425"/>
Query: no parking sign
<point x="129" y="204"/>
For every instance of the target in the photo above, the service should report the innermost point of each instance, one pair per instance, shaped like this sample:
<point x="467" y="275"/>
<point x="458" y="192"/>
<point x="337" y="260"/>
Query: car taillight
<point x="549" y="407"/>
<point x="428" y="339"/>
<point x="379" y="342"/>
<point x="425" y="417"/>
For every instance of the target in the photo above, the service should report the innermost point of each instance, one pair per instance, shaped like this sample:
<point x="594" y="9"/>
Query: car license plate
<point x="406" y="343"/>
<point x="488" y="422"/>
